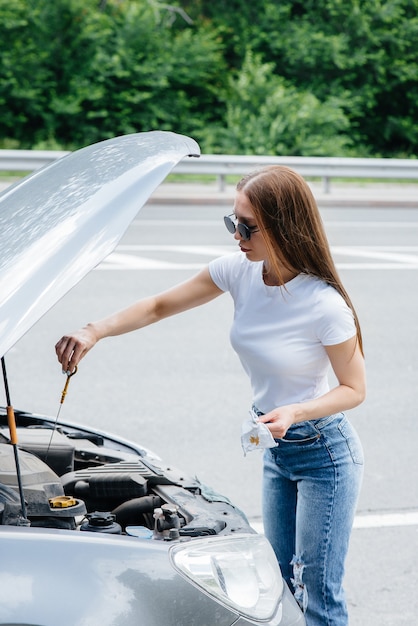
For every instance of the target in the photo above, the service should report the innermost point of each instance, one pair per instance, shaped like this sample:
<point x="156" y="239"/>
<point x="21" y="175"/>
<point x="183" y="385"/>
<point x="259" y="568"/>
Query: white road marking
<point x="161" y="223"/>
<point x="118" y="261"/>
<point x="376" y="266"/>
<point x="328" y="223"/>
<point x="406" y="518"/>
<point x="212" y="250"/>
<point x="366" y="257"/>
<point x="373" y="520"/>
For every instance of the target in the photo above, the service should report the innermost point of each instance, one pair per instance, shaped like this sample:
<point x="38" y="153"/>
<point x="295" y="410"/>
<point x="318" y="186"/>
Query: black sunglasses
<point x="244" y="230"/>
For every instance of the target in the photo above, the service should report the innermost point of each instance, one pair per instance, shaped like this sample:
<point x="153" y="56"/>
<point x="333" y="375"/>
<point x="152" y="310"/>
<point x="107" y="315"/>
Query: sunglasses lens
<point x="229" y="224"/>
<point x="244" y="231"/>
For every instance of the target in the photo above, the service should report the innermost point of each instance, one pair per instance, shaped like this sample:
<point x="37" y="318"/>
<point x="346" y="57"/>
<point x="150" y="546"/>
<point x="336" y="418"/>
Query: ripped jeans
<point x="311" y="484"/>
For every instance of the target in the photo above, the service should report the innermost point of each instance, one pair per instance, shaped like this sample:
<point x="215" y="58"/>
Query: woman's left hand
<point x="279" y="420"/>
<point x="348" y="366"/>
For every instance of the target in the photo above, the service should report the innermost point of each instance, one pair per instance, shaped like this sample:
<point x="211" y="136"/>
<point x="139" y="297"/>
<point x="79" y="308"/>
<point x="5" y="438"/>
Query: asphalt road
<point x="179" y="389"/>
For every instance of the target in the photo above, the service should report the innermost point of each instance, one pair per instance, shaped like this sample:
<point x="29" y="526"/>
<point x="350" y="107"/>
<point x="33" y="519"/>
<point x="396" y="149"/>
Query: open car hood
<point x="58" y="223"/>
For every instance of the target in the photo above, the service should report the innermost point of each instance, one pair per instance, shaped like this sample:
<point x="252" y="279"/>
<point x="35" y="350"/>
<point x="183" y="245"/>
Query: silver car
<point x="94" y="529"/>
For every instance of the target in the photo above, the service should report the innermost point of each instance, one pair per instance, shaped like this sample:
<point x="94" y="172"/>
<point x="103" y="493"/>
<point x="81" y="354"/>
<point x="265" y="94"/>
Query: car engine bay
<point x="80" y="479"/>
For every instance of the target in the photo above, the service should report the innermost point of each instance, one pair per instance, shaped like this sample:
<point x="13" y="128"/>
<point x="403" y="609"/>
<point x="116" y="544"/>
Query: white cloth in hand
<point x="255" y="435"/>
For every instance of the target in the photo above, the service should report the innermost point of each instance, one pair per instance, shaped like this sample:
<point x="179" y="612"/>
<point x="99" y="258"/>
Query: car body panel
<point x="58" y="223"/>
<point x="60" y="577"/>
<point x="51" y="577"/>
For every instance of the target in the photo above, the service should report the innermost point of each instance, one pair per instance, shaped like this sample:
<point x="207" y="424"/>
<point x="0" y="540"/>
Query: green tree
<point x="364" y="53"/>
<point x="50" y="54"/>
<point x="361" y="52"/>
<point x="74" y="73"/>
<point x="328" y="77"/>
<point x="161" y="74"/>
<point x="266" y="115"/>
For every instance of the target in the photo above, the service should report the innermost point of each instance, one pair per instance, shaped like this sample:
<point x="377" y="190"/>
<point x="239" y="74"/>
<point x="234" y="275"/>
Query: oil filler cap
<point x="62" y="502"/>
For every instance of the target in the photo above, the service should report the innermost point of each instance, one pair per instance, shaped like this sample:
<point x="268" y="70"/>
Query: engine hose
<point x="128" y="512"/>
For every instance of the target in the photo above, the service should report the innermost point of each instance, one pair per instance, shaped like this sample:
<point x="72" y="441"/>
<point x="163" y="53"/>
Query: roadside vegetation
<point x="309" y="78"/>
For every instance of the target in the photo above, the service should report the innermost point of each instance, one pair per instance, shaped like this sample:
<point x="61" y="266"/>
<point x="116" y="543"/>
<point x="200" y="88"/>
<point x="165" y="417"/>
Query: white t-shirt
<point x="279" y="333"/>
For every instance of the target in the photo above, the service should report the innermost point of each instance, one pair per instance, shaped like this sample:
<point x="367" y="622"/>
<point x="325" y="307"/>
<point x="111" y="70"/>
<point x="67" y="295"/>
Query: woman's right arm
<point x="198" y="290"/>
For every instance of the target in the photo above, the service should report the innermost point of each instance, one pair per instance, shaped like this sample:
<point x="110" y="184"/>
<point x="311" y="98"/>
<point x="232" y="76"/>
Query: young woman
<point x="293" y="319"/>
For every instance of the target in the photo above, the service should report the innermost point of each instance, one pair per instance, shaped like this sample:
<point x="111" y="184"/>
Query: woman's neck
<point x="271" y="279"/>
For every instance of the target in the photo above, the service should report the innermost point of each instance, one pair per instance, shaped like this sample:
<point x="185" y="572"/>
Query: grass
<point x="209" y="179"/>
<point x="232" y="180"/>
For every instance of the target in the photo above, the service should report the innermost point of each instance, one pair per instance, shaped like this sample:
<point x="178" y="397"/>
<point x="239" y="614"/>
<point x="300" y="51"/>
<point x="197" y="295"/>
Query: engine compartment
<point x="84" y="480"/>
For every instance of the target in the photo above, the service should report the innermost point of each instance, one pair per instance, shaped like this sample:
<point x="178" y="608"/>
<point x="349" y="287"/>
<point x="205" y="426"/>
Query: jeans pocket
<point x="352" y="440"/>
<point x="301" y="434"/>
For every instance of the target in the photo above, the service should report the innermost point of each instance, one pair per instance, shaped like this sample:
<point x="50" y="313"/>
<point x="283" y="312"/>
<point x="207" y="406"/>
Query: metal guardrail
<point x="27" y="160"/>
<point x="325" y="168"/>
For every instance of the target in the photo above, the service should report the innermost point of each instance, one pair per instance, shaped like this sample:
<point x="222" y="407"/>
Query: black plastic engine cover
<point x="48" y="445"/>
<point x="111" y="483"/>
<point x="39" y="484"/>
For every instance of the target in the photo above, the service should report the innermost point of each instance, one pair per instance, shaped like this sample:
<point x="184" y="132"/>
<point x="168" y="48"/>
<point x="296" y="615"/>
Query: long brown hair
<point x="291" y="225"/>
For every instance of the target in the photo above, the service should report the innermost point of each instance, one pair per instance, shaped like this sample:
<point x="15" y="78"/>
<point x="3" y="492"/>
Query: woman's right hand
<point x="70" y="349"/>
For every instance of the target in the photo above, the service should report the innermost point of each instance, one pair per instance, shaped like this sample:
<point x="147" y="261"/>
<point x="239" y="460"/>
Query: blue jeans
<point x="311" y="484"/>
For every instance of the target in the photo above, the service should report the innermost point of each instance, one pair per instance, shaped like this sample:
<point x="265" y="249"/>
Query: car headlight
<point x="241" y="571"/>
